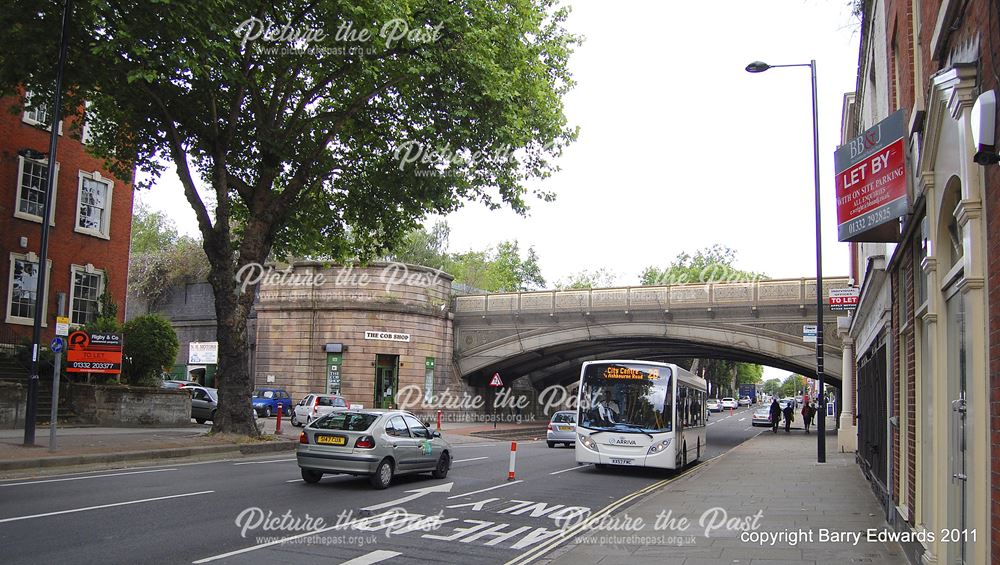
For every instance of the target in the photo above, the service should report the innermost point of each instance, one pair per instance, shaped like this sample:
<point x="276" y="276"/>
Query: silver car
<point x="562" y="429"/>
<point x="379" y="444"/>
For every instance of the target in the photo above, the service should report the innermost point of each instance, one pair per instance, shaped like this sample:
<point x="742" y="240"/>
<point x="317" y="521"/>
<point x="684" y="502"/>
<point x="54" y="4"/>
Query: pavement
<point x="764" y="501"/>
<point x="95" y="446"/>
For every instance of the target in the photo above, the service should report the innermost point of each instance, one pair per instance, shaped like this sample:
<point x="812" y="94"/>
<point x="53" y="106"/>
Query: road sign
<point x="57" y="345"/>
<point x="809" y="334"/>
<point x="62" y="325"/>
<point x="842" y="299"/>
<point x="495" y="381"/>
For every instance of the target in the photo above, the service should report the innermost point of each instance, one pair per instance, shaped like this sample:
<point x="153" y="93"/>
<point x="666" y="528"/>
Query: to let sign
<point x="843" y="299"/>
<point x="871" y="182"/>
<point x="94" y="353"/>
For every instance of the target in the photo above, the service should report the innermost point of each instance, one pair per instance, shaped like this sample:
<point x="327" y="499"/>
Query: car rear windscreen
<point x="346" y="421"/>
<point x="564" y="418"/>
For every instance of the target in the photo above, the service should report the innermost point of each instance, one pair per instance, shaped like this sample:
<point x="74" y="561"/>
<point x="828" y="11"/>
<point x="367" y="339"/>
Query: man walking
<point x="775" y="413"/>
<point x="807" y="414"/>
<point x="789" y="413"/>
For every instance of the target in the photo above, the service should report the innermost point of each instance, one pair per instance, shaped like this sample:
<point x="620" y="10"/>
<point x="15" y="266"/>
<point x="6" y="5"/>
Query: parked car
<point x="713" y="405"/>
<point x="562" y="429"/>
<point x="204" y="402"/>
<point x="267" y="400"/>
<point x="761" y="417"/>
<point x="315" y="405"/>
<point x="745" y="401"/>
<point x="177" y="384"/>
<point x="728" y="403"/>
<point x="379" y="444"/>
<point x="785" y="402"/>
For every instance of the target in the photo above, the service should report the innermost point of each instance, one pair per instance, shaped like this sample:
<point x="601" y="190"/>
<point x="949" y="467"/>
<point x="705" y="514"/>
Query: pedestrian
<point x="775" y="413"/>
<point x="789" y="413"/>
<point x="807" y="415"/>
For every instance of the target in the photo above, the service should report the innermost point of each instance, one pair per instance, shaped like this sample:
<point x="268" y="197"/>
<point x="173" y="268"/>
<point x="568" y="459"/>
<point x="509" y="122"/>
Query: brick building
<point x="926" y="335"/>
<point x="89" y="227"/>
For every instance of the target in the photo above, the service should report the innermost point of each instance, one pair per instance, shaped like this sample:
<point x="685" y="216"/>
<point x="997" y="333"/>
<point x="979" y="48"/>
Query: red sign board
<point x="871" y="182"/>
<point x="495" y="381"/>
<point x="94" y="353"/>
<point x="844" y="298"/>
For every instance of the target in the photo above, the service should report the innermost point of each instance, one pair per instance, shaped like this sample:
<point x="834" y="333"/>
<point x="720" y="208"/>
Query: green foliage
<point x="599" y="278"/>
<point x="152" y="231"/>
<point x="708" y="265"/>
<point x="106" y="306"/>
<point x="792" y="385"/>
<point x="104" y="324"/>
<point x="749" y="373"/>
<point x="772" y="386"/>
<point x="153" y="274"/>
<point x="420" y="247"/>
<point x="500" y="269"/>
<point x="150" y="345"/>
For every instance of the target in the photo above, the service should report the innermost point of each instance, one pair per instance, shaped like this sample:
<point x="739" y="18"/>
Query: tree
<point x="599" y="278"/>
<point x="793" y="385"/>
<point x="500" y="269"/>
<point x="711" y="264"/>
<point x="422" y="247"/>
<point x="150" y="344"/>
<point x="152" y="231"/>
<point x="301" y="141"/>
<point x="772" y="386"/>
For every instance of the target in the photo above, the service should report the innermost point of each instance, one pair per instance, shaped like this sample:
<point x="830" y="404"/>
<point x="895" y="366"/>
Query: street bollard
<point x="439" y="420"/>
<point x="277" y="425"/>
<point x="513" y="456"/>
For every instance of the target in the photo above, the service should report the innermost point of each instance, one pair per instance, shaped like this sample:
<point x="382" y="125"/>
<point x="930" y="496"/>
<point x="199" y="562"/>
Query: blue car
<point x="266" y="401"/>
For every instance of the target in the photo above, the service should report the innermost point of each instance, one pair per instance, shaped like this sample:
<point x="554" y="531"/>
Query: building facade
<point x="90" y="223"/>
<point x="926" y="370"/>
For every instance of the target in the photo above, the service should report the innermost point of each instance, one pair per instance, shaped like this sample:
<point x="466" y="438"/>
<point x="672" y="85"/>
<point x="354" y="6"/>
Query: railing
<point x="666" y="298"/>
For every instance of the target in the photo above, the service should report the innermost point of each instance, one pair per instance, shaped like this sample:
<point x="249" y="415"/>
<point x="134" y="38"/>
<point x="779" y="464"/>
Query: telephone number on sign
<point x="89" y="365"/>
<point x="871" y="220"/>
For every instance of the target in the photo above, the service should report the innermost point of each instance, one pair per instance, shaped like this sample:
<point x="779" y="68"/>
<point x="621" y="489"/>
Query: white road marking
<point x="81" y="478"/>
<point x="373" y="557"/>
<point x="17" y="518"/>
<point x="415" y="493"/>
<point x="570" y="469"/>
<point x="486" y="489"/>
<point x="294" y="481"/>
<point x="710" y="423"/>
<point x="290" y="538"/>
<point x="260" y="462"/>
<point x="741" y="419"/>
<point x="472" y="459"/>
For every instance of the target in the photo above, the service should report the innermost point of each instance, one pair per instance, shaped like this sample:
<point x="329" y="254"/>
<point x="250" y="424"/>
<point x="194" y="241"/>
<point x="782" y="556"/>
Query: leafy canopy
<point x="708" y="265"/>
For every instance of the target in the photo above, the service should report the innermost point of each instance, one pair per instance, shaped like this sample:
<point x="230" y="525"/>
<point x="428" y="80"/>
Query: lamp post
<point x="759" y="67"/>
<point x="40" y="298"/>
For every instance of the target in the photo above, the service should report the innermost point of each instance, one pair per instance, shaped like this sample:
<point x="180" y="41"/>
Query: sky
<point x="680" y="148"/>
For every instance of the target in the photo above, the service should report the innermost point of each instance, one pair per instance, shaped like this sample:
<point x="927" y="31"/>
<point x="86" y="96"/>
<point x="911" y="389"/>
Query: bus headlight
<point x="658" y="447"/>
<point x="588" y="443"/>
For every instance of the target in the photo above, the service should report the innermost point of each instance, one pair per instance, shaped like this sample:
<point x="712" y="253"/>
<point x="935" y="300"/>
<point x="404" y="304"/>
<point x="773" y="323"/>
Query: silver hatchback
<point x="562" y="428"/>
<point x="379" y="444"/>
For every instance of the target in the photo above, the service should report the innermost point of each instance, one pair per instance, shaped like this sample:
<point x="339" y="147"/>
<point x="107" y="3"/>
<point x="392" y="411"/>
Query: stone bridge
<point x="546" y="335"/>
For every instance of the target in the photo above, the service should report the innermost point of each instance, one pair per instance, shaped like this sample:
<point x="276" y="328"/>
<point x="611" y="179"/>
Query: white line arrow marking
<point x="417" y="493"/>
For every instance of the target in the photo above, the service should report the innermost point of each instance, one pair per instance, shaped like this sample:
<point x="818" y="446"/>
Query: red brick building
<point x="89" y="229"/>
<point x="926" y="334"/>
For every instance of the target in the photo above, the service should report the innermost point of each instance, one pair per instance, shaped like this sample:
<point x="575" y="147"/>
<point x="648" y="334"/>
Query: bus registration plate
<point x="621" y="461"/>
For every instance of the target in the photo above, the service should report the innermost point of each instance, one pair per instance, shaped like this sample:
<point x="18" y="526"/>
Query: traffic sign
<point x="57" y="345"/>
<point x="809" y="333"/>
<point x="62" y="326"/>
<point x="495" y="381"/>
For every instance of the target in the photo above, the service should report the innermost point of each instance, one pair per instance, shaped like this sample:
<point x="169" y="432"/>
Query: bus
<point x="640" y="414"/>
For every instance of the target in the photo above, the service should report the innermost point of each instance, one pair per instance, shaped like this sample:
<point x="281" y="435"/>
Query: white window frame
<point x="85" y="137"/>
<point x="105" y="231"/>
<point x="90" y="270"/>
<point x="17" y="200"/>
<point x="29" y="108"/>
<point x="10" y="292"/>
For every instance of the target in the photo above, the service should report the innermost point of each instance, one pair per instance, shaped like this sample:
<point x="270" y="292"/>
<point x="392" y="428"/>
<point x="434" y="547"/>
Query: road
<point x="235" y="511"/>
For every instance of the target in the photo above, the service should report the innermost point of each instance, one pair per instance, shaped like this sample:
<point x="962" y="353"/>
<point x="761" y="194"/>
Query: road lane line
<point x="472" y="459"/>
<point x="570" y="469"/>
<point x="741" y="419"/>
<point x="373" y="557"/>
<point x="81" y="478"/>
<point x="486" y="489"/>
<point x="295" y="481"/>
<point x="290" y="538"/>
<point x="17" y="518"/>
<point x="261" y="462"/>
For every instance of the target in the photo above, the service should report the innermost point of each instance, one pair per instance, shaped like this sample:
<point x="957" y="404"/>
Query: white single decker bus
<point x="640" y="414"/>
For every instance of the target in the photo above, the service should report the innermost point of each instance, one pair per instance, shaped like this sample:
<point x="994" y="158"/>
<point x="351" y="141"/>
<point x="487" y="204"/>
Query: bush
<point x="150" y="345"/>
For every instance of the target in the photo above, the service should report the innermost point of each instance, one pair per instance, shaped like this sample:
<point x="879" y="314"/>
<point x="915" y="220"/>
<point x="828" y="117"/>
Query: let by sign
<point x="94" y="353"/>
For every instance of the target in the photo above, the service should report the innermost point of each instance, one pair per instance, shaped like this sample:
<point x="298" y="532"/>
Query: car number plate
<point x="331" y="440"/>
<point x="565" y="428"/>
<point x="620" y="461"/>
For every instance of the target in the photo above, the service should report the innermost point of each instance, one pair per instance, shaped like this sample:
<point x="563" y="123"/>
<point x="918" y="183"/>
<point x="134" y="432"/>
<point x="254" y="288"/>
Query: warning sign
<point x="495" y="381"/>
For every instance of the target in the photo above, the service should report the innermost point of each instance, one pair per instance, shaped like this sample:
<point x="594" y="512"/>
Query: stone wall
<point x="13" y="398"/>
<point x="114" y="405"/>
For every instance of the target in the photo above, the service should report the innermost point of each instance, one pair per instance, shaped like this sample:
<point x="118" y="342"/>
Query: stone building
<point x="926" y="351"/>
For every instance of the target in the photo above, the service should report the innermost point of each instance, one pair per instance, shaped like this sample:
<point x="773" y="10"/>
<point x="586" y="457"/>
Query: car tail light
<point x="303" y="438"/>
<point x="550" y="426"/>
<point x="365" y="442"/>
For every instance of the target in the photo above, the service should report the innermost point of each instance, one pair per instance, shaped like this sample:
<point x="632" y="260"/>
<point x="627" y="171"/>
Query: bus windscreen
<point x="626" y="397"/>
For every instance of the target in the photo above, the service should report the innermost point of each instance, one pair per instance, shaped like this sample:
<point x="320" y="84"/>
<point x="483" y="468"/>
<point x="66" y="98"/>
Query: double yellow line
<point x="566" y="535"/>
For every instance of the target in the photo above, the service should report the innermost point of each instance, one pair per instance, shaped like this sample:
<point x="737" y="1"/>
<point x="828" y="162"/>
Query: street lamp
<point x="41" y="300"/>
<point x="759" y="67"/>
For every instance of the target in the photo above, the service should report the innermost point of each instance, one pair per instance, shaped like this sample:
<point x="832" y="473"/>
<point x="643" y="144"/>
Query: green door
<point x="386" y="380"/>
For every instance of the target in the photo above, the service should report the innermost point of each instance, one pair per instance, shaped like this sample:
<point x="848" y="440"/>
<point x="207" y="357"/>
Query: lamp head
<point x="757" y="67"/>
<point x="28" y="153"/>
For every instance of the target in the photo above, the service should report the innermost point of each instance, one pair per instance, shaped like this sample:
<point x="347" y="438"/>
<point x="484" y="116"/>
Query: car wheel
<point x="310" y="476"/>
<point x="444" y="463"/>
<point x="551" y="444"/>
<point x="267" y="411"/>
<point x="294" y="421"/>
<point x="200" y="420"/>
<point x="383" y="475"/>
<point x="212" y="416"/>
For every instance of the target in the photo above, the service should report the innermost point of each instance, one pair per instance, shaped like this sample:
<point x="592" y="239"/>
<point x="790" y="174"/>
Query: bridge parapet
<point x="750" y="294"/>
